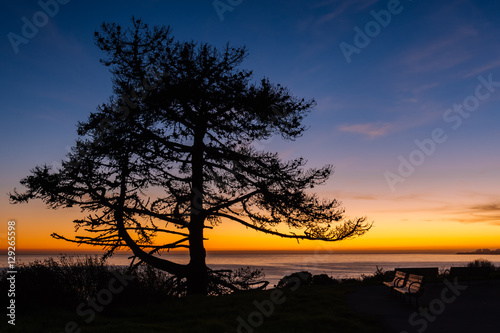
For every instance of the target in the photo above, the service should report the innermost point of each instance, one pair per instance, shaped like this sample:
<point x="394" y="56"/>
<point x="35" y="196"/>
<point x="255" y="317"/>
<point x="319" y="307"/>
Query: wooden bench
<point x="429" y="273"/>
<point x="414" y="287"/>
<point x="398" y="281"/>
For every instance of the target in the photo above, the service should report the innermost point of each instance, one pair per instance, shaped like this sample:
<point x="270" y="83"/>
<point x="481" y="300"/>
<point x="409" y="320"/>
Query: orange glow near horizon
<point x="419" y="231"/>
<point x="387" y="236"/>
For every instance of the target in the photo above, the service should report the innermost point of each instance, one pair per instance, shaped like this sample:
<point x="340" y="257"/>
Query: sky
<point x="407" y="92"/>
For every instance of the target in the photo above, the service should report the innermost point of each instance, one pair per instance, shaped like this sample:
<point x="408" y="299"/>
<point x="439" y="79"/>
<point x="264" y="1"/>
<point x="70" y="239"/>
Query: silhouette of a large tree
<point x="171" y="153"/>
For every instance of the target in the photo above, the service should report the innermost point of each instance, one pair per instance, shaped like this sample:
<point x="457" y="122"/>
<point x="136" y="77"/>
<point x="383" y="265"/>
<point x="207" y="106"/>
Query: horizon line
<point x="284" y="251"/>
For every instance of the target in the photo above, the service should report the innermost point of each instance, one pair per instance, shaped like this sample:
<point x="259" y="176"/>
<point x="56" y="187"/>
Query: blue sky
<point x="369" y="111"/>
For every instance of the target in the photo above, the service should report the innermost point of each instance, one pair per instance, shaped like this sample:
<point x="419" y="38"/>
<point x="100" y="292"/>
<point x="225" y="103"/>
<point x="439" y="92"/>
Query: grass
<point x="49" y="293"/>
<point x="308" y="309"/>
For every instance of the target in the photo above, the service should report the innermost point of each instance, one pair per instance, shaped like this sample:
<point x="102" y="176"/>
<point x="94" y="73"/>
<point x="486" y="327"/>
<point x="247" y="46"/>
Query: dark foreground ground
<point x="309" y="309"/>
<point x="338" y="308"/>
<point x="443" y="308"/>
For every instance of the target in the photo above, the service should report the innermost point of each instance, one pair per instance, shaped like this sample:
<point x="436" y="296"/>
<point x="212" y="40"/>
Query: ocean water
<point x="277" y="265"/>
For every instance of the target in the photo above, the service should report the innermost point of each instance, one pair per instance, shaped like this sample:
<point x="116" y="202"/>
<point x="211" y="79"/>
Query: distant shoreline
<point x="488" y="254"/>
<point x="482" y="251"/>
<point x="321" y="251"/>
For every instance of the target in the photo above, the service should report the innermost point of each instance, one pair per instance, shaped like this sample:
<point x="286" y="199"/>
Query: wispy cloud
<point x="489" y="213"/>
<point x="353" y="195"/>
<point x="443" y="52"/>
<point x="424" y="87"/>
<point x="485" y="67"/>
<point x="372" y="130"/>
<point x="341" y="6"/>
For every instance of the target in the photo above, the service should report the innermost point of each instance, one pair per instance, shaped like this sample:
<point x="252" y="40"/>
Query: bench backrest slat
<point x="400" y="279"/>
<point x="414" y="282"/>
<point x="427" y="272"/>
<point x="399" y="275"/>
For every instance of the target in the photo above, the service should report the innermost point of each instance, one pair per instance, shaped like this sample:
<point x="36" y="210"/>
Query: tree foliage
<point x="171" y="153"/>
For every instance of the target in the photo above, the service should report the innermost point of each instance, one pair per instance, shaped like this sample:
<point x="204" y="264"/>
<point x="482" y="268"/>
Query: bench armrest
<point x="399" y="282"/>
<point x="420" y="288"/>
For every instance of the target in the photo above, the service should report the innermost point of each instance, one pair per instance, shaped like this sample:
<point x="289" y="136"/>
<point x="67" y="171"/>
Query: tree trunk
<point x="197" y="280"/>
<point x="162" y="264"/>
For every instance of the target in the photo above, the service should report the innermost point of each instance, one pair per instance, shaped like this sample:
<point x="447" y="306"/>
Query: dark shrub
<point x="323" y="279"/>
<point x="350" y="280"/>
<point x="293" y="280"/>
<point x="482" y="263"/>
<point x="379" y="276"/>
<point x="64" y="282"/>
<point x="69" y="281"/>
